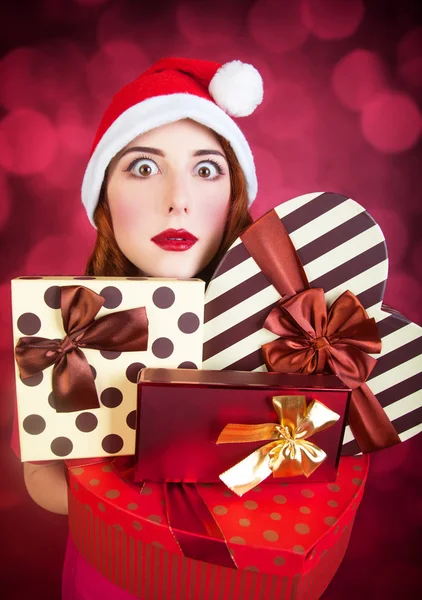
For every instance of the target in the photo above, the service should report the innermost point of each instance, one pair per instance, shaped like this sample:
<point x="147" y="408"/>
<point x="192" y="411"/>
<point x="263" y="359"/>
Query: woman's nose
<point x="178" y="195"/>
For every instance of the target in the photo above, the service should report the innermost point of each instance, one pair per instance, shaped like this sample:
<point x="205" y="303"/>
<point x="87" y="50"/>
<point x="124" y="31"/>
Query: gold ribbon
<point x="289" y="452"/>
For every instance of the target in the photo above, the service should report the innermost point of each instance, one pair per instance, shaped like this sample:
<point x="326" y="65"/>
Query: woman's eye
<point x="143" y="167"/>
<point x="208" y="169"/>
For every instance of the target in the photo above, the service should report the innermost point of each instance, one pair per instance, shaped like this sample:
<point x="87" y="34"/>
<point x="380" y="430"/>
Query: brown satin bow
<point x="73" y="381"/>
<point x="312" y="340"/>
<point x="319" y="339"/>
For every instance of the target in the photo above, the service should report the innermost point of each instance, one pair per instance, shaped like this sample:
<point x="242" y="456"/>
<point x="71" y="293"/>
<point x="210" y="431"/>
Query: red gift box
<point x="287" y="541"/>
<point x="181" y="414"/>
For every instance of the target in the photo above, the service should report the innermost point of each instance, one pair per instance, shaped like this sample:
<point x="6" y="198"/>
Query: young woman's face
<point x="169" y="193"/>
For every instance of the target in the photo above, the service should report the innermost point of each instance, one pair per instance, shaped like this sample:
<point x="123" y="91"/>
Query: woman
<point x="167" y="186"/>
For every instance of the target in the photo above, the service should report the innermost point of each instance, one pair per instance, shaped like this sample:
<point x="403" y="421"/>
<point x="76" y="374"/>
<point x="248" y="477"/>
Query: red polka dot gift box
<point x="80" y="343"/>
<point x="301" y="290"/>
<point x="284" y="541"/>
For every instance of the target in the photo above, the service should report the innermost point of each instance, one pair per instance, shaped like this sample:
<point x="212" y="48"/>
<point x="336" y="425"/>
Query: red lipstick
<point x="175" y="240"/>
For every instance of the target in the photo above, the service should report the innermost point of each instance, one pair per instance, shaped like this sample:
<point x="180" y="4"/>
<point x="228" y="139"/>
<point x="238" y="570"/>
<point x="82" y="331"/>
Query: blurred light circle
<point x="6" y="334"/>
<point x="203" y="25"/>
<point x="28" y="142"/>
<point x="55" y="255"/>
<point x="331" y="19"/>
<point x="19" y="71"/>
<point x="391" y="122"/>
<point x="404" y="293"/>
<point x="115" y="65"/>
<point x="396" y="232"/>
<point x="90" y="2"/>
<point x="411" y="71"/>
<point x="61" y="74"/>
<point x="410" y="45"/>
<point x="270" y="177"/>
<point x="391" y="461"/>
<point x="416" y="259"/>
<point x="357" y="78"/>
<point x="128" y="21"/>
<point x="409" y="55"/>
<point x="399" y="581"/>
<point x="290" y="114"/>
<point x="5" y="200"/>
<point x="277" y="26"/>
<point x="65" y="173"/>
<point x="72" y="132"/>
<point x="40" y="77"/>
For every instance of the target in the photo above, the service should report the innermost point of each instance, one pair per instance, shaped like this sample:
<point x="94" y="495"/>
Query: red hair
<point x="108" y="260"/>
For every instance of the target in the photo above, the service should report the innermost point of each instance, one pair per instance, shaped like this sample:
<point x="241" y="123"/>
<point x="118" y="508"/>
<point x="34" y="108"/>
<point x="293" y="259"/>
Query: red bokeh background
<point x="342" y="112"/>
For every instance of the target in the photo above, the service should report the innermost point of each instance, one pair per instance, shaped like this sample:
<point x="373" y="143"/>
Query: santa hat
<point x="173" y="89"/>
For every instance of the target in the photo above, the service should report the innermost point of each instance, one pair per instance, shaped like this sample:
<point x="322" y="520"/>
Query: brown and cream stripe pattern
<point x="341" y="248"/>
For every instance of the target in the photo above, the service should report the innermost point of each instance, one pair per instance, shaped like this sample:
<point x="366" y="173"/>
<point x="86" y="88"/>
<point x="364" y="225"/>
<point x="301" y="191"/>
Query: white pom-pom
<point x="237" y="88"/>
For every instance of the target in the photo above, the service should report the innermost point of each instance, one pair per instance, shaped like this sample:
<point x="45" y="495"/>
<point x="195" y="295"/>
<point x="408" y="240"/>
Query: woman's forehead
<point x="192" y="134"/>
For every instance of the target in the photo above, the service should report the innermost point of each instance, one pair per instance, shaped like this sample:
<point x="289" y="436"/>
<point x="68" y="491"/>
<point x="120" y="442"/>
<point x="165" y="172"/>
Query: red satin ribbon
<point x="312" y="340"/>
<point x="73" y="381"/>
<point x="194" y="527"/>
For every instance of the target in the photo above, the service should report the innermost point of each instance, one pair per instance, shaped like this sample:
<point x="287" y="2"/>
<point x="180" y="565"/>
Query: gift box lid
<point x="182" y="415"/>
<point x="239" y="379"/>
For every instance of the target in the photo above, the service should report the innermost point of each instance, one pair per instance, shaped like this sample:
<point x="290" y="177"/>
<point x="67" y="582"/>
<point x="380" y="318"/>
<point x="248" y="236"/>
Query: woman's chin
<point x="174" y="269"/>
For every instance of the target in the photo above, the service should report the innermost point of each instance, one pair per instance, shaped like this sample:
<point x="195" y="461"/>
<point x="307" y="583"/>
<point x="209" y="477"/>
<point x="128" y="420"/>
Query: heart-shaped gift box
<point x="341" y="249"/>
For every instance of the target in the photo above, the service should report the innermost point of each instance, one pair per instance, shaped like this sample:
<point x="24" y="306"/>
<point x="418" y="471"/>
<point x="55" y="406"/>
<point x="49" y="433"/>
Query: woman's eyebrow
<point x="147" y="149"/>
<point x="159" y="152"/>
<point x="204" y="152"/>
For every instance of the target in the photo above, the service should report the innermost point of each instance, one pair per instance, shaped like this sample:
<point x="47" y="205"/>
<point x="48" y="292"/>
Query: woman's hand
<point x="47" y="485"/>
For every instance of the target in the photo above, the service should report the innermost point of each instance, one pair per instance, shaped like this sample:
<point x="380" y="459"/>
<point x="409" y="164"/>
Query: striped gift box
<point x="341" y="248"/>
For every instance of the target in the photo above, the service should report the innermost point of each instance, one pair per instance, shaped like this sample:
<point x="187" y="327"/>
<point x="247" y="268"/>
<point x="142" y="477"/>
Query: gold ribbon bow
<point x="289" y="453"/>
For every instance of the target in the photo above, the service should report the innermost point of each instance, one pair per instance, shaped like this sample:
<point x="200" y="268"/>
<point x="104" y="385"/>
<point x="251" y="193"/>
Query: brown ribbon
<point x="73" y="381"/>
<point x="314" y="341"/>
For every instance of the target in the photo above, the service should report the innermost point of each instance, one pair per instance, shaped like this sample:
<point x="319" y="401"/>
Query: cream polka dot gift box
<point x="80" y="343"/>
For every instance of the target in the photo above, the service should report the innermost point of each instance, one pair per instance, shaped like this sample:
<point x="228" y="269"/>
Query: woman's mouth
<point x="174" y="240"/>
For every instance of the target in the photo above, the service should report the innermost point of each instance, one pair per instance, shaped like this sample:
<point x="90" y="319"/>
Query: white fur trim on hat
<point x="151" y="113"/>
<point x="237" y="88"/>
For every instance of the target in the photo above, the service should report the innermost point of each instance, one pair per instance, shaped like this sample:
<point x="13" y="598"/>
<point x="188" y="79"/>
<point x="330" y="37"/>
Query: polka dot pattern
<point x="237" y="539"/>
<point x="112" y="443"/>
<point x="111" y="397"/>
<point x="52" y="297"/>
<point x="110" y="354"/>
<point x="270" y="535"/>
<point x="133" y="370"/>
<point x="163" y="297"/>
<point x="29" y="324"/>
<point x="34" y="380"/>
<point x="292" y="526"/>
<point x="188" y="322"/>
<point x="112" y="296"/>
<point x="220" y="510"/>
<point x="162" y="348"/>
<point x="86" y="422"/>
<point x="172" y="312"/>
<point x="34" y="424"/>
<point x="61" y="446"/>
<point x="302" y="528"/>
<point x="112" y="494"/>
<point x="131" y="419"/>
